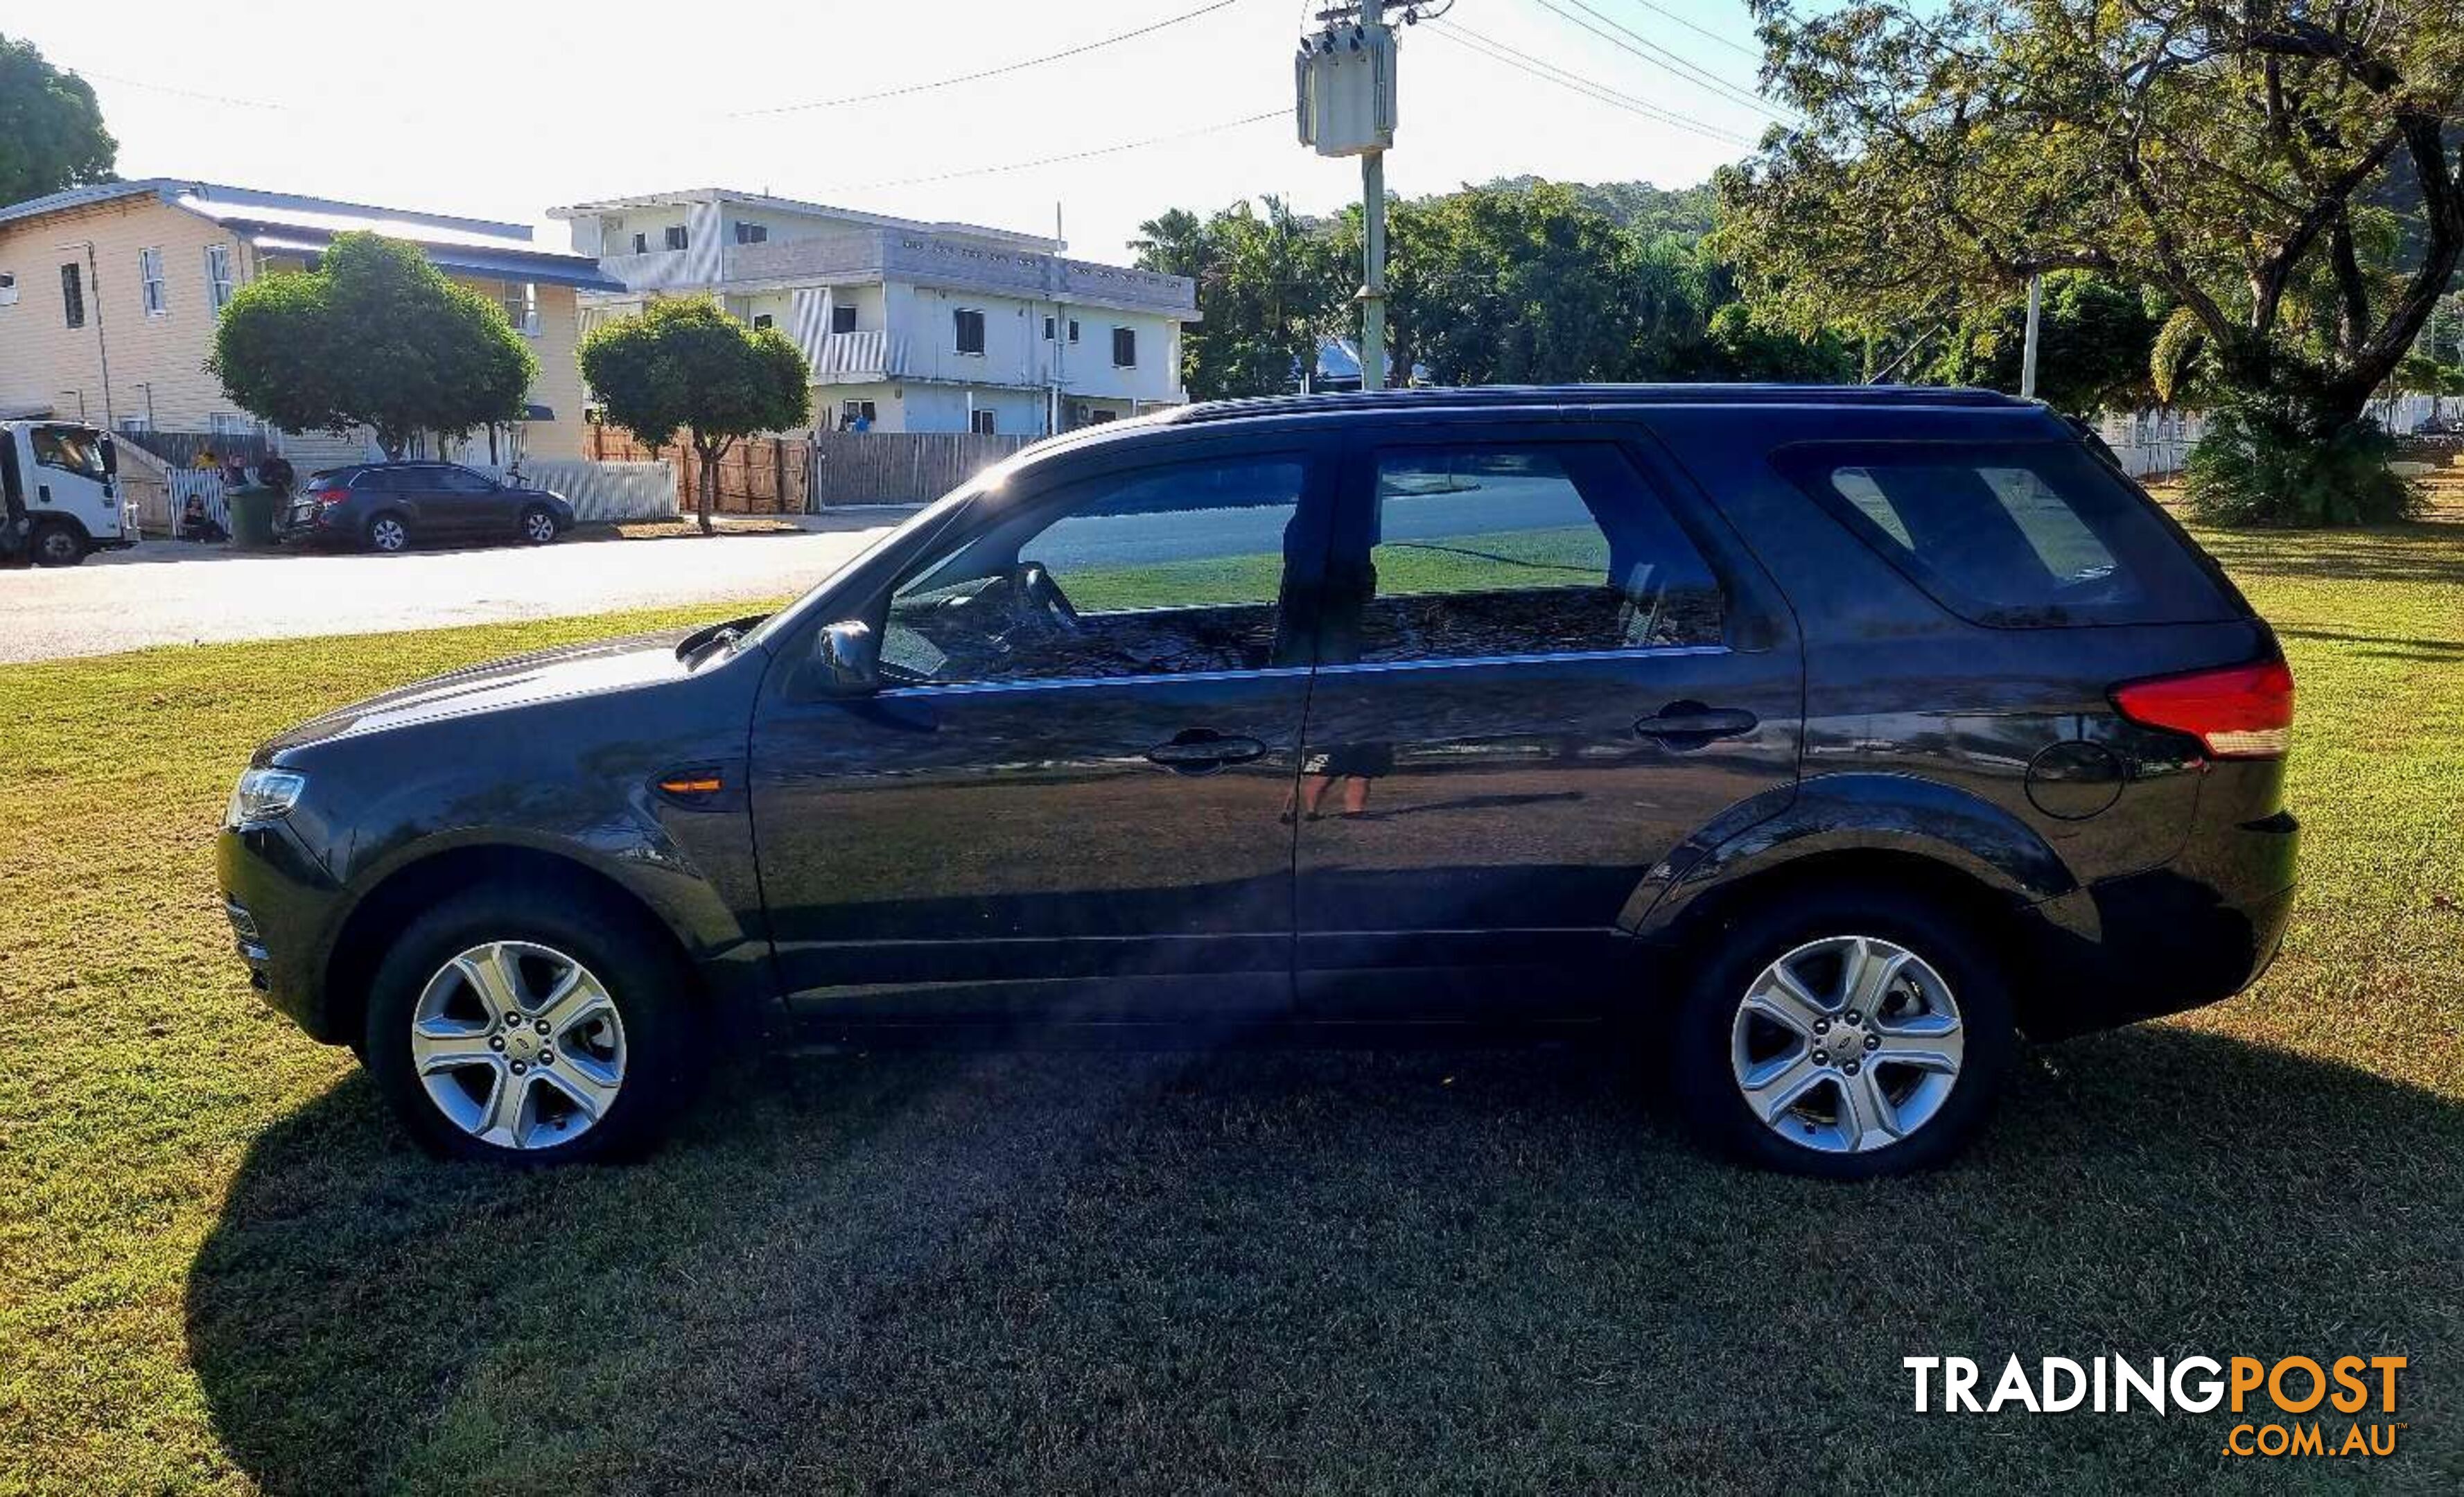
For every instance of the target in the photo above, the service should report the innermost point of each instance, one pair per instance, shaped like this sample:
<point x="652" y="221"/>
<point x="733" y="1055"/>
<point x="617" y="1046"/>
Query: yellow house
<point x="109" y="294"/>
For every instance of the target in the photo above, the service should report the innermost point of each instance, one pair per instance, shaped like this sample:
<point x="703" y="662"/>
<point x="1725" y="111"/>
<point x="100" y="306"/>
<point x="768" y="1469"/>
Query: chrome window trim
<point x="1279" y="672"/>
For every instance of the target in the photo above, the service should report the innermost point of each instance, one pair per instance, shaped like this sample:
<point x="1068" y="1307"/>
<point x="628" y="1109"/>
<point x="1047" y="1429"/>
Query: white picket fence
<point x="2152" y="443"/>
<point x="599" y="491"/>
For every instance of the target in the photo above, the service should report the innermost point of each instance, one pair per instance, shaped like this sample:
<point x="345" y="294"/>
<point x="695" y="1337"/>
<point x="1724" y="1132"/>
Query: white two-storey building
<point x="909" y="327"/>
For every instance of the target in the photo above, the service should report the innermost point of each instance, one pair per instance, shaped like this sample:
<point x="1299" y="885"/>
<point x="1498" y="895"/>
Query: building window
<point x="1047" y="329"/>
<point x="73" y="294"/>
<point x="677" y="238"/>
<point x="1125" y="349"/>
<point x="641" y="244"/>
<point x="8" y="288"/>
<point x="218" y="277"/>
<point x="842" y="316"/>
<point x="763" y="320"/>
<point x="752" y="233"/>
<point x="521" y="307"/>
<point x="1073" y="329"/>
<point x="149" y="281"/>
<point x="230" y="423"/>
<point x="854" y="411"/>
<point x="968" y="323"/>
<point x="980" y="422"/>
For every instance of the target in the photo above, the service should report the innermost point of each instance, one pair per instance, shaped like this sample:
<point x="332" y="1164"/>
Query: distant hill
<point x="1682" y="212"/>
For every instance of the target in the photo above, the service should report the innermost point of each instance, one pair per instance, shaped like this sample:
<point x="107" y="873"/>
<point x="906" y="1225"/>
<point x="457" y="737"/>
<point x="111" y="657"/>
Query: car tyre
<point x="57" y="543"/>
<point x="1870" y="1095"/>
<point x="539" y="524"/>
<point x="388" y="534"/>
<point x="450" y="1058"/>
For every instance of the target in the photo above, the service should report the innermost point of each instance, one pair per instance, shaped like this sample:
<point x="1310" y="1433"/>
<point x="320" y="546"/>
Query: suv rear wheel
<point x="1846" y="1034"/>
<point x="388" y="533"/>
<point x="530" y="1025"/>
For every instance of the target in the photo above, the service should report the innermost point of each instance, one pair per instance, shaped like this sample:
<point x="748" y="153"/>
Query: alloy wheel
<point x="518" y="1044"/>
<point x="388" y="534"/>
<point x="1847" y="1045"/>
<point x="540" y="526"/>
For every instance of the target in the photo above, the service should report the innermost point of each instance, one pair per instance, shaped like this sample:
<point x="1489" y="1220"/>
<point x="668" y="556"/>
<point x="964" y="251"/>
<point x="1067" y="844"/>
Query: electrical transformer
<point x="1345" y="84"/>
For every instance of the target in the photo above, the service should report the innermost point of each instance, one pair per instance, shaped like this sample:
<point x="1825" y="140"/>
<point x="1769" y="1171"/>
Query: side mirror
<point x="847" y="659"/>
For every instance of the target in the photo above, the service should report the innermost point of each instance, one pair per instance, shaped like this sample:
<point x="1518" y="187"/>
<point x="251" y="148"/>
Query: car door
<point x="469" y="504"/>
<point x="1545" y="663"/>
<point x="1068" y="800"/>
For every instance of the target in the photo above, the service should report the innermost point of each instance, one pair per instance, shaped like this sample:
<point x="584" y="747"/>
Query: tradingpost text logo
<point x="2290" y="1406"/>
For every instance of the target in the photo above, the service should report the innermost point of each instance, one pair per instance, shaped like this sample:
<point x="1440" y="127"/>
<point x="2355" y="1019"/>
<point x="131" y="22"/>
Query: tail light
<point x="2240" y="711"/>
<point x="329" y="495"/>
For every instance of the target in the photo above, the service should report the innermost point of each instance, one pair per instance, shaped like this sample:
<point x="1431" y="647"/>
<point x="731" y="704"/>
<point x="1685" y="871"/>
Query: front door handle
<point x="1200" y="751"/>
<point x="1692" y="725"/>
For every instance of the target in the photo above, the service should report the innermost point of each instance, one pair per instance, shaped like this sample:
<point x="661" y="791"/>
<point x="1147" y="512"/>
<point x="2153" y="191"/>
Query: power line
<point x="1281" y="112"/>
<point x="179" y="93"/>
<point x="1731" y="43"/>
<point x="1590" y="88"/>
<point x="987" y="72"/>
<point x="1660" y="57"/>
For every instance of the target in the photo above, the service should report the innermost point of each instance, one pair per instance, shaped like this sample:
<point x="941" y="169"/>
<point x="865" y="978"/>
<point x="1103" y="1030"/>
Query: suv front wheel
<point x="1845" y="1035"/>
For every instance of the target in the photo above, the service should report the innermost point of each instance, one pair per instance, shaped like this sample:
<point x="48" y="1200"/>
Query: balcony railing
<point x="869" y="354"/>
<point x="929" y="259"/>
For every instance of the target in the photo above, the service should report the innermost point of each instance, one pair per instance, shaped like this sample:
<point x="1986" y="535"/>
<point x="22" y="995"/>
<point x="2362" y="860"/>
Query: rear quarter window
<point x="2014" y="535"/>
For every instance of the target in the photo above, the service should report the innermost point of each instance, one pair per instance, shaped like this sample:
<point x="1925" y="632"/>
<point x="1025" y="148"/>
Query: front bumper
<point x="280" y="904"/>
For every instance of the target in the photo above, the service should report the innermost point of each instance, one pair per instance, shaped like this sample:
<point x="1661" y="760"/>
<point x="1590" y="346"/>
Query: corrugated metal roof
<point x="478" y="245"/>
<point x="543" y="266"/>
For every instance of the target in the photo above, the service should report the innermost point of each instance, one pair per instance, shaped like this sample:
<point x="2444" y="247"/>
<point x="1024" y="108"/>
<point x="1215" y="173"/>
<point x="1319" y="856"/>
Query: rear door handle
<point x="1691" y="724"/>
<point x="1198" y="751"/>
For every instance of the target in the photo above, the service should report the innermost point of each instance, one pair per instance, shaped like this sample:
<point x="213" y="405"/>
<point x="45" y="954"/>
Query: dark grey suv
<point x="393" y="506"/>
<point x="1814" y="742"/>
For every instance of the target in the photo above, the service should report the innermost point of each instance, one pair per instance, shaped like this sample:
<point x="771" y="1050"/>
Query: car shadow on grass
<point x="1487" y="1271"/>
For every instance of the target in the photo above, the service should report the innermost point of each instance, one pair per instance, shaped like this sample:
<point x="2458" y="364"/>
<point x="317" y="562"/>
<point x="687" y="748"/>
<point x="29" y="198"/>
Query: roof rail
<point x="1527" y="396"/>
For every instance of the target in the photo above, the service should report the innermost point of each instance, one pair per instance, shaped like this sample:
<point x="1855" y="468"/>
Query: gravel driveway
<point x="166" y="592"/>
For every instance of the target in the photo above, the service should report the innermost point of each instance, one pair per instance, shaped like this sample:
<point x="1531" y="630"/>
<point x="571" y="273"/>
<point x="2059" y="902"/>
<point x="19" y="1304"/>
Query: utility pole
<point x="1373" y="239"/>
<point x="2028" y="350"/>
<point x="1344" y="84"/>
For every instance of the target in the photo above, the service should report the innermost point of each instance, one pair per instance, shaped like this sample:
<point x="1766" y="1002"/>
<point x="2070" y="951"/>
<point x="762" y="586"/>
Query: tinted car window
<point x="2016" y="534"/>
<point x="1162" y="571"/>
<point x="460" y="480"/>
<point x="1517" y="550"/>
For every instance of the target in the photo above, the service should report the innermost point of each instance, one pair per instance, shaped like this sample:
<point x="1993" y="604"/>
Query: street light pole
<point x="2028" y="351"/>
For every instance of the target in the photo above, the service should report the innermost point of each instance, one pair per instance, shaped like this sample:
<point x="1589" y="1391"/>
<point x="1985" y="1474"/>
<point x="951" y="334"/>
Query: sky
<point x="500" y="110"/>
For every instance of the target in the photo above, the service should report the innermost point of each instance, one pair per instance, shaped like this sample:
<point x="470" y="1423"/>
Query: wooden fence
<point x="805" y="474"/>
<point x="901" y="467"/>
<point x="756" y="475"/>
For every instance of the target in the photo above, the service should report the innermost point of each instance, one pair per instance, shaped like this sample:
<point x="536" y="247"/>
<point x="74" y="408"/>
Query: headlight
<point x="264" y="795"/>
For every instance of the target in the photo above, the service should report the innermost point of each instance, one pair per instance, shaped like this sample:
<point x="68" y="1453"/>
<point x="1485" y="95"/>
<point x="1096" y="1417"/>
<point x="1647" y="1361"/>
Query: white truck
<point x="61" y="483"/>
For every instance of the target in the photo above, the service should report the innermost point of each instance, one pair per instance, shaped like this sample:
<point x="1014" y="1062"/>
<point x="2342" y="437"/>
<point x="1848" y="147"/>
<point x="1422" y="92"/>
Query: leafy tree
<point x="375" y="337"/>
<point x="50" y="128"/>
<point x="1738" y="347"/>
<point x="685" y="363"/>
<point x="2096" y="345"/>
<point x="1526" y="285"/>
<point x="1267" y="282"/>
<point x="2219" y="154"/>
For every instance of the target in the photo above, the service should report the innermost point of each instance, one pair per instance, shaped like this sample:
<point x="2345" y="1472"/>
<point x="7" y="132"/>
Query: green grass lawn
<point x="220" y="1268"/>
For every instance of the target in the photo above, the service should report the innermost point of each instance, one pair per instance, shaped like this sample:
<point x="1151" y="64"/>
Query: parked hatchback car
<point x="1813" y="743"/>
<point x="392" y="506"/>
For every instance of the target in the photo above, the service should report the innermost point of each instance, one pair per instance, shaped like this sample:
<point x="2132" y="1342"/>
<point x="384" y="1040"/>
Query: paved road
<point x="162" y="592"/>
